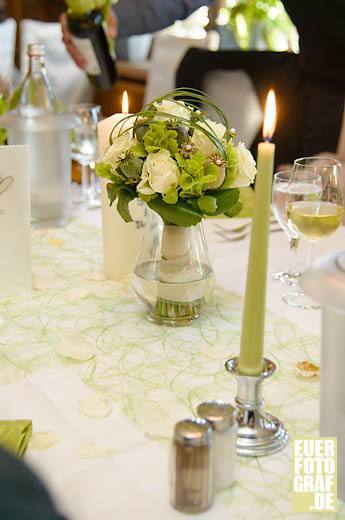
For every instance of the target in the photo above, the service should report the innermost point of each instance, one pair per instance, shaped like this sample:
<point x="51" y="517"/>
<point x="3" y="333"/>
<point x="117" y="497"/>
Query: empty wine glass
<point x="281" y="190"/>
<point x="316" y="213"/>
<point x="84" y="149"/>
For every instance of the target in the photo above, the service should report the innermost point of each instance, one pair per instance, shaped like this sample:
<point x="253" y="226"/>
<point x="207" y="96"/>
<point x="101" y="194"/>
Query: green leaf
<point x="247" y="201"/>
<point x="171" y="196"/>
<point x="147" y="198"/>
<point x="226" y="199"/>
<point x="15" y="98"/>
<point x="235" y="210"/>
<point x="207" y="203"/>
<point x="124" y="198"/>
<point x="139" y="150"/>
<point x="231" y="170"/>
<point x="105" y="170"/>
<point x="3" y="104"/>
<point x="113" y="191"/>
<point x="179" y="214"/>
<point x="3" y="136"/>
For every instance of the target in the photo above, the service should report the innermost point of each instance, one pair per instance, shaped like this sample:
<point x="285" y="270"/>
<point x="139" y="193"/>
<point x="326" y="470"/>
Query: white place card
<point x="15" y="261"/>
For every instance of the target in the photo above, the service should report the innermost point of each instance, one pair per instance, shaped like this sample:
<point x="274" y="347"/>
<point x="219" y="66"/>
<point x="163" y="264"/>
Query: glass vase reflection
<point x="173" y="277"/>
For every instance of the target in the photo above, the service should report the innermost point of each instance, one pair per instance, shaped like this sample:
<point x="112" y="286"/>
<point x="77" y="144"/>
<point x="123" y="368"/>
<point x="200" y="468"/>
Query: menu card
<point x="15" y="262"/>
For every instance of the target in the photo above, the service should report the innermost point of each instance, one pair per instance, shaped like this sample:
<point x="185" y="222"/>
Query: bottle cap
<point x="220" y="414"/>
<point x="193" y="432"/>
<point x="36" y="49"/>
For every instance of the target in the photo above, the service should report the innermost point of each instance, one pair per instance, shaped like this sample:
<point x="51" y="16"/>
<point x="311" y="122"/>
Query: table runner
<point x="156" y="375"/>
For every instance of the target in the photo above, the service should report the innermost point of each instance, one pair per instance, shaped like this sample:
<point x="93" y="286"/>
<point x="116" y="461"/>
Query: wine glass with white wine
<point x="281" y="196"/>
<point x="315" y="215"/>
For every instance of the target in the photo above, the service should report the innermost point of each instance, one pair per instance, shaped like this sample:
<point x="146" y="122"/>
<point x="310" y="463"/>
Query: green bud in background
<point x="131" y="167"/>
<point x="140" y="131"/>
<point x="182" y="135"/>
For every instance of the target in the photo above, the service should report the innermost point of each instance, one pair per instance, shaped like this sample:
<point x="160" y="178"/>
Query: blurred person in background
<point x="134" y="17"/>
<point x="320" y="26"/>
<point x="322" y="61"/>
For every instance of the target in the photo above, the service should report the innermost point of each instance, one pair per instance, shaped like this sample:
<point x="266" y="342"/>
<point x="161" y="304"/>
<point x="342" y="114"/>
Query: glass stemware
<point x="316" y="213"/>
<point x="280" y="200"/>
<point x="84" y="149"/>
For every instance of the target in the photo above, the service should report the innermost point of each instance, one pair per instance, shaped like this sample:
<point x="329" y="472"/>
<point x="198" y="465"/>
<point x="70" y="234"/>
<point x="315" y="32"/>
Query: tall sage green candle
<point x="253" y="324"/>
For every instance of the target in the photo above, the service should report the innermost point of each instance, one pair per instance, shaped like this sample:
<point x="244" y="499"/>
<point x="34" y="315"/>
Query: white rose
<point x="144" y="187"/>
<point x="119" y="147"/>
<point x="174" y="108"/>
<point x="202" y="142"/>
<point x="246" y="167"/>
<point x="160" y="171"/>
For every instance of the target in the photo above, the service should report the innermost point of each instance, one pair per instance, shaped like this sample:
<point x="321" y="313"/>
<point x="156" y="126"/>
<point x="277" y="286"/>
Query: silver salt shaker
<point x="191" y="479"/>
<point x="221" y="416"/>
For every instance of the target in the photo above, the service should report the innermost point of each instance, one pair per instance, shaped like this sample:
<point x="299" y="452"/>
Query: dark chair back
<point x="277" y="70"/>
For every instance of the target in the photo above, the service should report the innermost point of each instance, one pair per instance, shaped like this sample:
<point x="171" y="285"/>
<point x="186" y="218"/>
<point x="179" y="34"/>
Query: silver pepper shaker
<point x="221" y="416"/>
<point x="191" y="479"/>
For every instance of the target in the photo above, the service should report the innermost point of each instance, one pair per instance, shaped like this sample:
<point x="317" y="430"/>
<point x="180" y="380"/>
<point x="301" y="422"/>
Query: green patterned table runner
<point x="156" y="374"/>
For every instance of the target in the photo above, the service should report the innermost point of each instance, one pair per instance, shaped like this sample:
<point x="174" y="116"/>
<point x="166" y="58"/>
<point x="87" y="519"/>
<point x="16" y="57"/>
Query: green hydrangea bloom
<point x="158" y="137"/>
<point x="196" y="173"/>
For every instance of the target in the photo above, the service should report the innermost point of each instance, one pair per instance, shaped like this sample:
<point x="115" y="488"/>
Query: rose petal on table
<point x="91" y="450"/>
<point x="43" y="440"/>
<point x="56" y="242"/>
<point x="95" y="276"/>
<point x="78" y="293"/>
<point x="42" y="284"/>
<point x="97" y="407"/>
<point x="307" y="369"/>
<point x="77" y="347"/>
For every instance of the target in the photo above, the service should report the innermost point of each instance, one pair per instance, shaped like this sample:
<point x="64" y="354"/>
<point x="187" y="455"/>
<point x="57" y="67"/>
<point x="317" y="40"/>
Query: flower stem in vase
<point x="179" y="297"/>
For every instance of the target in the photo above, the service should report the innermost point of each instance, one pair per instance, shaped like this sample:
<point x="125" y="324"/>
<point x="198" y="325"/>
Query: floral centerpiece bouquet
<point x="185" y="167"/>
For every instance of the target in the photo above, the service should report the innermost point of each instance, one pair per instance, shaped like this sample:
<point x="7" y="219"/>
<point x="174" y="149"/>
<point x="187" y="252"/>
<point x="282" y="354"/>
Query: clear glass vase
<point x="173" y="276"/>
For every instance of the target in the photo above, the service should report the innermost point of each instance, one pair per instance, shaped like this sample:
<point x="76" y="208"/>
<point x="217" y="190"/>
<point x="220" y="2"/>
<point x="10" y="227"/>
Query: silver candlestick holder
<point x="259" y="433"/>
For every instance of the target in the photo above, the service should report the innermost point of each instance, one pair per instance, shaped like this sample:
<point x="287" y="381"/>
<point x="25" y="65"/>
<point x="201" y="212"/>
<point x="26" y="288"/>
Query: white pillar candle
<point x="121" y="241"/>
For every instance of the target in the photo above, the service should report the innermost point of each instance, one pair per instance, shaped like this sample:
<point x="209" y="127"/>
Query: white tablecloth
<point x="132" y="481"/>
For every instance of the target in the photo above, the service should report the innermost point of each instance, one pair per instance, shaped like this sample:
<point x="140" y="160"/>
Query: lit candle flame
<point x="125" y="103"/>
<point x="270" y="119"/>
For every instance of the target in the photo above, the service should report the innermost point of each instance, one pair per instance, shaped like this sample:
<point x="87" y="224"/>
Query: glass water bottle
<point x="47" y="133"/>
